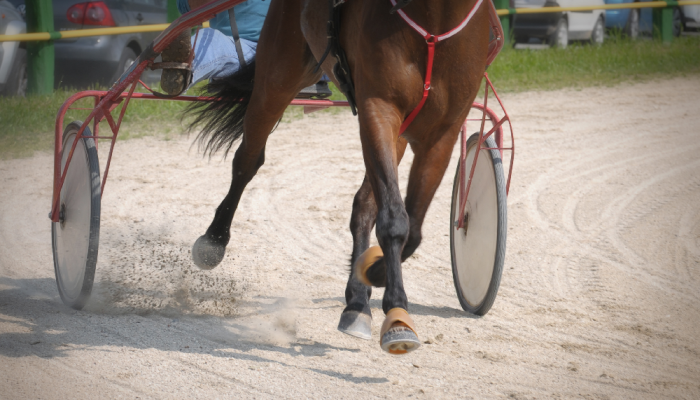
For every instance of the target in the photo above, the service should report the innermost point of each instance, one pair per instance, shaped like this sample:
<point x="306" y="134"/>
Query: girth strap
<point x="341" y="68"/>
<point x="430" y="40"/>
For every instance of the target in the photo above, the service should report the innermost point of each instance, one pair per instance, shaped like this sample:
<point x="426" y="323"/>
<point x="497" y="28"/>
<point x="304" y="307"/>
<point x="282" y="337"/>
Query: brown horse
<point x="387" y="60"/>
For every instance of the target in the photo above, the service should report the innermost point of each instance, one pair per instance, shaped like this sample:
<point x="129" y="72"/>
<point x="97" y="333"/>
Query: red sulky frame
<point x="107" y="101"/>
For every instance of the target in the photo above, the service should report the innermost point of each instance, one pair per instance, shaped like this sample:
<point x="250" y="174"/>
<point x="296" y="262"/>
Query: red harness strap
<point x="430" y="40"/>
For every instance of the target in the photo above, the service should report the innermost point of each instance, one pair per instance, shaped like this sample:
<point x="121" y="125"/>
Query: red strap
<point x="431" y="40"/>
<point x="426" y="86"/>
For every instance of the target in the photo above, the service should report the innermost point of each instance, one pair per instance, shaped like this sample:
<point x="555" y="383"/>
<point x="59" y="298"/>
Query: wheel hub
<point x="465" y="223"/>
<point x="62" y="215"/>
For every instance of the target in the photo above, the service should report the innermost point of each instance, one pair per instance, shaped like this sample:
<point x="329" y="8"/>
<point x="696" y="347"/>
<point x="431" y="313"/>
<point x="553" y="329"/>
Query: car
<point x="557" y="29"/>
<point x="86" y="61"/>
<point x="13" y="55"/>
<point x="691" y="16"/>
<point x="633" y="22"/>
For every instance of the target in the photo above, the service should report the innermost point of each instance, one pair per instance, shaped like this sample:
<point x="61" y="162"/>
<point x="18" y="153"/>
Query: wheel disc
<point x="76" y="236"/>
<point x="478" y="248"/>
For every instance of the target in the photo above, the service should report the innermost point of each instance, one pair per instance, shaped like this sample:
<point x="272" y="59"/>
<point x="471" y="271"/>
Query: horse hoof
<point x="207" y="254"/>
<point x="399" y="340"/>
<point x="398" y="333"/>
<point x="365" y="261"/>
<point x="357" y="324"/>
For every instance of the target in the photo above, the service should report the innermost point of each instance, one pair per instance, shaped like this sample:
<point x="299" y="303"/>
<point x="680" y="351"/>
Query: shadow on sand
<point x="40" y="325"/>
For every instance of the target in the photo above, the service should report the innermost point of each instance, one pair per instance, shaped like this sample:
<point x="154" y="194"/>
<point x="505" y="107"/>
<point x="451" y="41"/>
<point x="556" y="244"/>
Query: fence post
<point x="663" y="23"/>
<point x="505" y="19"/>
<point x="173" y="13"/>
<point x="40" y="54"/>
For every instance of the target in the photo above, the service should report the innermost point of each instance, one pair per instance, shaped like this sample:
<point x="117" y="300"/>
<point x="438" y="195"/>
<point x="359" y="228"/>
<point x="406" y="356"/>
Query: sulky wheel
<point x="76" y="236"/>
<point x="479" y="248"/>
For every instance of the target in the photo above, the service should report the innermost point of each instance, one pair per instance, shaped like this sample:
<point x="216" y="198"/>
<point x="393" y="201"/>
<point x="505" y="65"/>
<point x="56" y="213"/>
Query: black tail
<point x="222" y="119"/>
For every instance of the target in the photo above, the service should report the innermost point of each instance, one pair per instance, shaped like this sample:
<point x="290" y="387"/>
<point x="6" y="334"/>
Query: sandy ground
<point x="599" y="297"/>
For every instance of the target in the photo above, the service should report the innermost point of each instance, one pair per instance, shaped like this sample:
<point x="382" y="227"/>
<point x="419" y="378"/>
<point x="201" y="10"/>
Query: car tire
<point x="519" y="39"/>
<point x="125" y="61"/>
<point x="17" y="81"/>
<point x="598" y="33"/>
<point x="560" y="37"/>
<point x="677" y="22"/>
<point x="632" y="27"/>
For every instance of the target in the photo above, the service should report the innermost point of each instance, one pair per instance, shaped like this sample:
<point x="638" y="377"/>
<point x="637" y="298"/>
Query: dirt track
<point x="599" y="297"/>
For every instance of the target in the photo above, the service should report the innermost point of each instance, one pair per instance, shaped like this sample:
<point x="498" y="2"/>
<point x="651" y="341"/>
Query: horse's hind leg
<point x="428" y="168"/>
<point x="356" y="319"/>
<point x="283" y="66"/>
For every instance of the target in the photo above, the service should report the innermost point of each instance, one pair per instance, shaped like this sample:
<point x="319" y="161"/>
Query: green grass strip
<point x="617" y="60"/>
<point x="26" y="124"/>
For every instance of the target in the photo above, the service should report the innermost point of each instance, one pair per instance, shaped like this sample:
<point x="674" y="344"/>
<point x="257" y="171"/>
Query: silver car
<point x="13" y="56"/>
<point x="691" y="16"/>
<point x="101" y="60"/>
<point x="557" y="29"/>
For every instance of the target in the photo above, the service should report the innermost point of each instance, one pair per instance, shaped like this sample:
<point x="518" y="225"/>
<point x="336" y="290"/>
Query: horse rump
<point x="221" y="119"/>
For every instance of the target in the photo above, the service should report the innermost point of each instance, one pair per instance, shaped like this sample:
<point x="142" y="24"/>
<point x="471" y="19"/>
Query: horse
<point x="388" y="62"/>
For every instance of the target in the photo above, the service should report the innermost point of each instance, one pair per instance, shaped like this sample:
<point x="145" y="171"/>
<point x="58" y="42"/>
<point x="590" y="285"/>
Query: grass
<point x="617" y="60"/>
<point x="26" y="124"/>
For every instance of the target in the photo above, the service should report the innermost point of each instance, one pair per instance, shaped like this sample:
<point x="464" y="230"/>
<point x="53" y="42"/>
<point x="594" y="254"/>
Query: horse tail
<point x="222" y="118"/>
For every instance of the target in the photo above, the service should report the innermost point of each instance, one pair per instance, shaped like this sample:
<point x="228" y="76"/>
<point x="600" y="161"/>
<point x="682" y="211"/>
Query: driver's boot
<point x="175" y="81"/>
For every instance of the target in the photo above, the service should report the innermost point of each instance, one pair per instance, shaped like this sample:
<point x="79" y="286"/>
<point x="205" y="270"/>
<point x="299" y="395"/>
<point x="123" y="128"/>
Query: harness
<point x="342" y="69"/>
<point x="431" y="40"/>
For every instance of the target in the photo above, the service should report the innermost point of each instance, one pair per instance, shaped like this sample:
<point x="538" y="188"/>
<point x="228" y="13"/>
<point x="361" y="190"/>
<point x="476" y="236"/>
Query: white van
<point x="557" y="29"/>
<point x="691" y="16"/>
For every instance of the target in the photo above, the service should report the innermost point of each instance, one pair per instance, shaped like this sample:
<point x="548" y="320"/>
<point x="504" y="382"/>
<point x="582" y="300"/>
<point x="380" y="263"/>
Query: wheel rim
<point x="634" y="24"/>
<point x="474" y="246"/>
<point x="128" y="63"/>
<point x="563" y="35"/>
<point x="72" y="234"/>
<point x="599" y="32"/>
<point x="23" y="80"/>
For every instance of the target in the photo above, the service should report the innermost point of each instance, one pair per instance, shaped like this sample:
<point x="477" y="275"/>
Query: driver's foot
<point x="175" y="81"/>
<point x="317" y="91"/>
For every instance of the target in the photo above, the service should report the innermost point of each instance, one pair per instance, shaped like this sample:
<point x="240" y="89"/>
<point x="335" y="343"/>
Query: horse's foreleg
<point x="379" y="123"/>
<point x="356" y="319"/>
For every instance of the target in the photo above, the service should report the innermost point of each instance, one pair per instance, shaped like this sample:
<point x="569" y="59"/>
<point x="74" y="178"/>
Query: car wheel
<point x="677" y="22"/>
<point x="560" y="37"/>
<point x="17" y="81"/>
<point x="632" y="28"/>
<point x="598" y="33"/>
<point x="125" y="61"/>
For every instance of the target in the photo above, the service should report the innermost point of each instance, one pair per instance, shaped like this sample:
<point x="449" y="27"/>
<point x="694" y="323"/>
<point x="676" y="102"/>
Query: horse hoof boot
<point x="207" y="254"/>
<point x="398" y="334"/>
<point x="357" y="324"/>
<point x="366" y="260"/>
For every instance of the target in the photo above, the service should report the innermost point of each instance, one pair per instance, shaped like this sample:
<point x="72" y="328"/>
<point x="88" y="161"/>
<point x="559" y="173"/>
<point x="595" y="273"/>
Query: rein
<point x="430" y="39"/>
